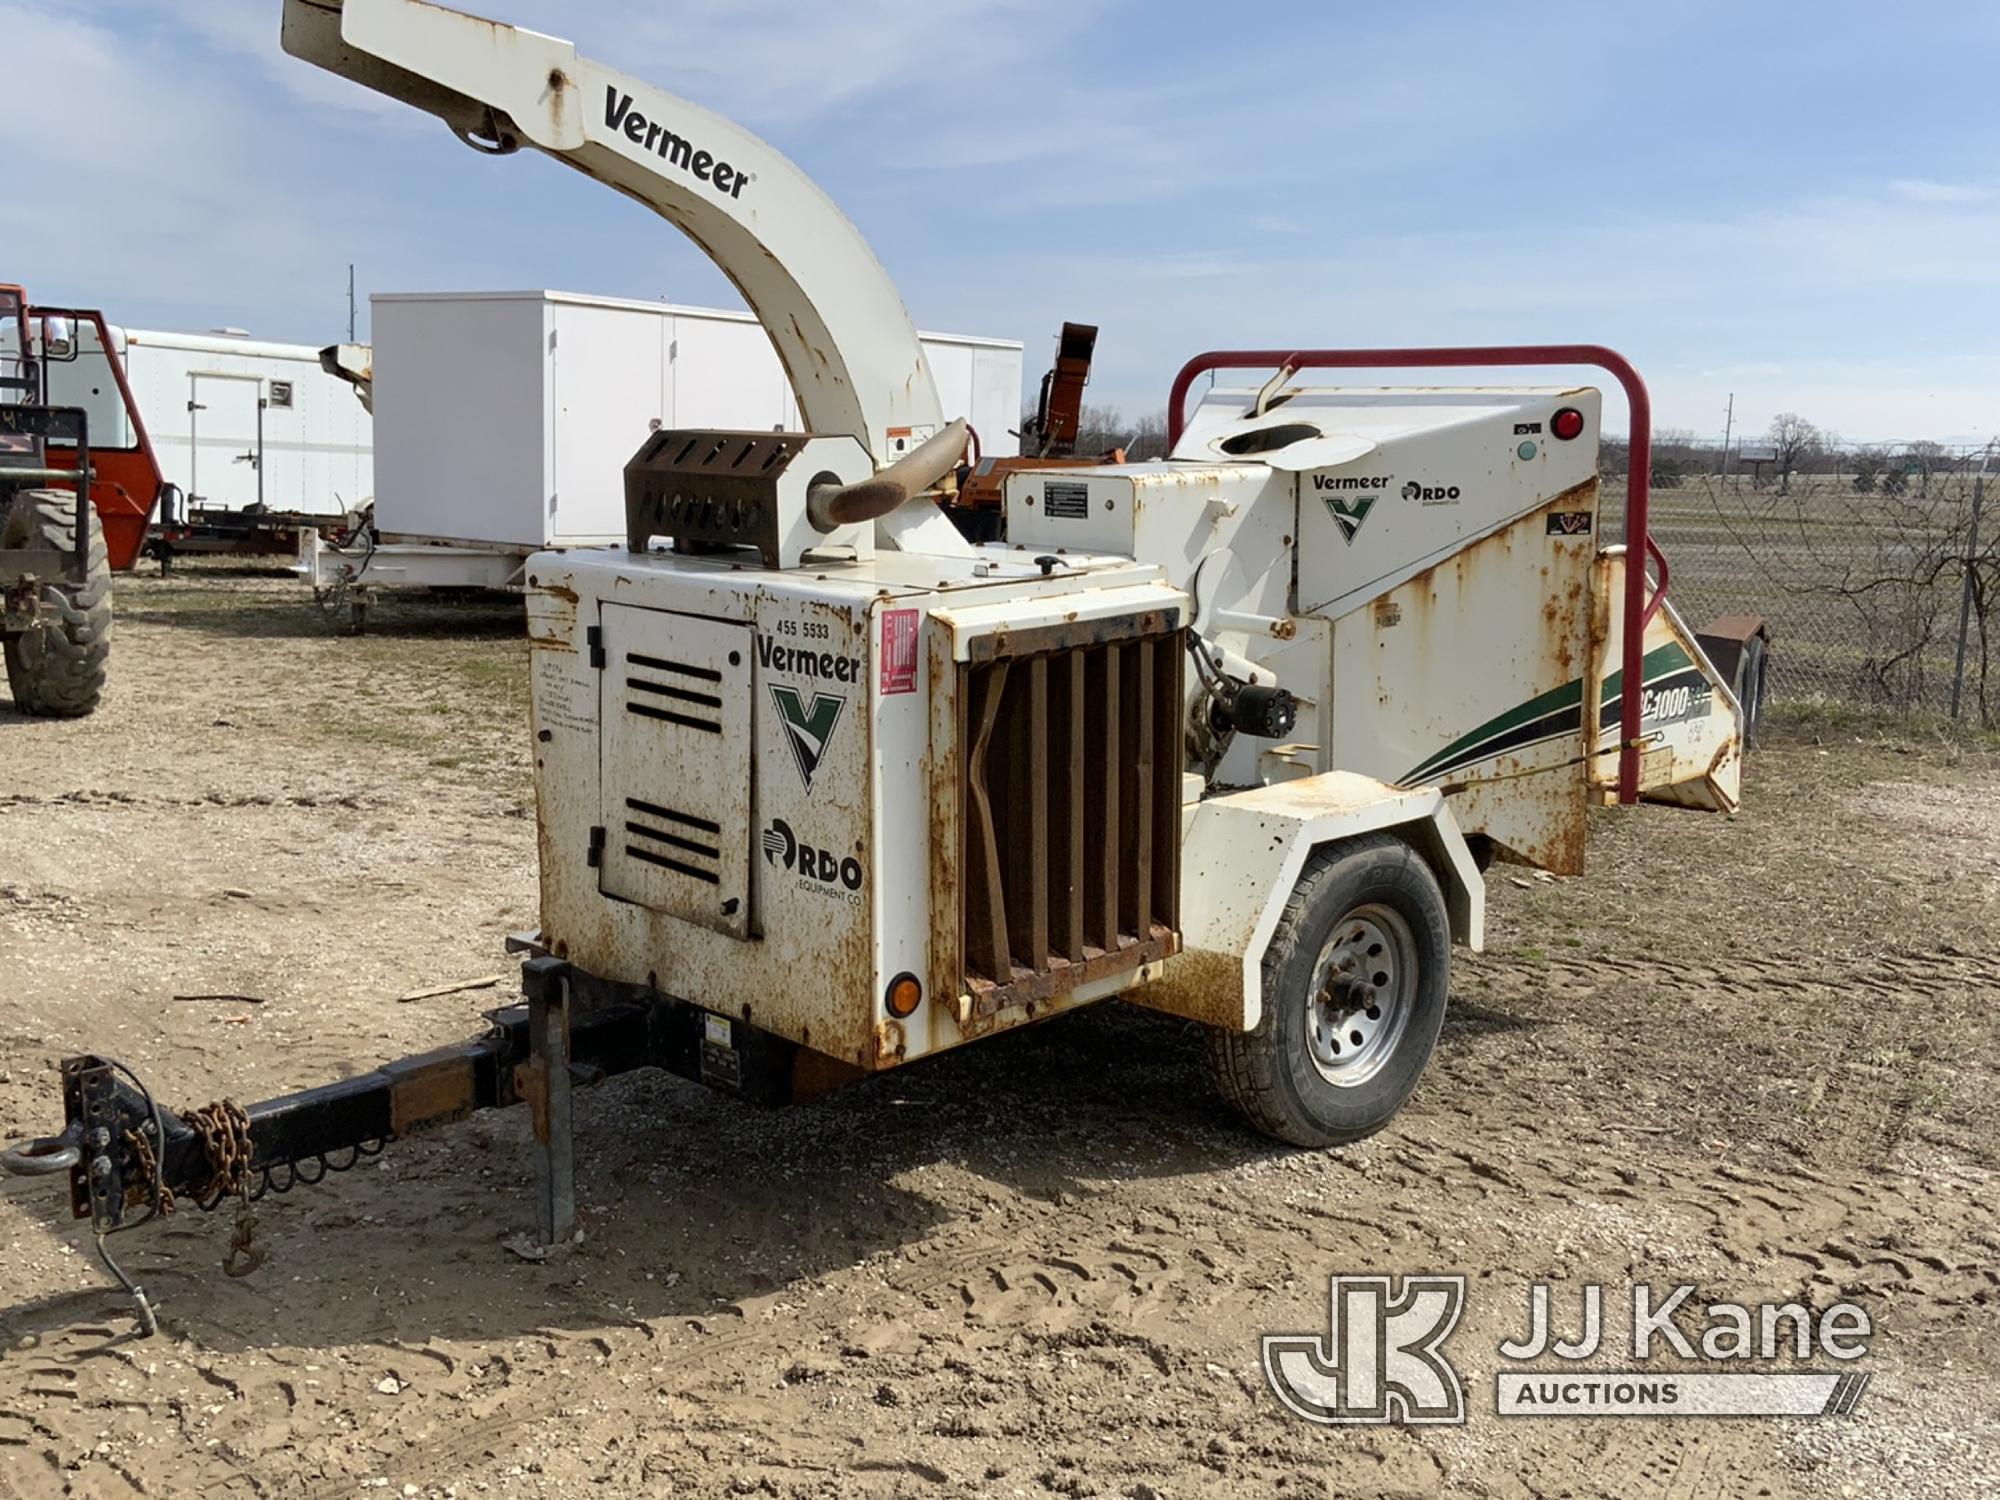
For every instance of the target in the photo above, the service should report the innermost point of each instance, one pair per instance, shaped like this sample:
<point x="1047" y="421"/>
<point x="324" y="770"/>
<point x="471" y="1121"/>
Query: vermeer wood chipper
<point x="826" y="789"/>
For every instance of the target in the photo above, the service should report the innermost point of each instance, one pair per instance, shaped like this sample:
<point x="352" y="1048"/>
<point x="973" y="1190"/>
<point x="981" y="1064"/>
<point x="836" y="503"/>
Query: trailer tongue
<point x="131" y="1159"/>
<point x="824" y="789"/>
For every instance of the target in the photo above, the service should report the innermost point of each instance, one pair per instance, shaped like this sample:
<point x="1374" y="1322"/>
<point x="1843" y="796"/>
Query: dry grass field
<point x="1863" y="592"/>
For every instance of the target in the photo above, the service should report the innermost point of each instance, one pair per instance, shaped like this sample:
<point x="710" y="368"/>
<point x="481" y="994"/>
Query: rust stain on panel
<point x="1531" y="806"/>
<point x="1199" y="985"/>
<point x="944" y="772"/>
<point x="531" y="1087"/>
<point x="427" y="1092"/>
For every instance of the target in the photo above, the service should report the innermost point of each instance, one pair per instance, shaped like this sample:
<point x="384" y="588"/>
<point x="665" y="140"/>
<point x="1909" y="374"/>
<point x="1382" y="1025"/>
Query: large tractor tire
<point x="56" y="668"/>
<point x="1355" y="982"/>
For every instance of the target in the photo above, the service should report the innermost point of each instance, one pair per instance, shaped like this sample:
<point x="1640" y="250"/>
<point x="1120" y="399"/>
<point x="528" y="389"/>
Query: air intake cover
<point x="712" y="490"/>
<point x="674" y="809"/>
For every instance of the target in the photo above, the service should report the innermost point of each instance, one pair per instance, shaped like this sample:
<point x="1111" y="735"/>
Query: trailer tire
<point x="1355" y="982"/>
<point x="56" y="668"/>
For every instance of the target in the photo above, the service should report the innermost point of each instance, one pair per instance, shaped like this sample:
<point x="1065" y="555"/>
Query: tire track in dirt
<point x="1134" y="1286"/>
<point x="1926" y="971"/>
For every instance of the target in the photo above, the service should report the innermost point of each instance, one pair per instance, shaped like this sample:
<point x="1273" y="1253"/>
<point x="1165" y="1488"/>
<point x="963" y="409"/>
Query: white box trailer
<point x="236" y="422"/>
<point x="503" y="421"/>
<point x="506" y="417"/>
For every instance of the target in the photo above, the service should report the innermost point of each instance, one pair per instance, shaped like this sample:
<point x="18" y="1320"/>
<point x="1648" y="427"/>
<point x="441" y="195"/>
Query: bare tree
<point x="1102" y="430"/>
<point x="1866" y="575"/>
<point x="1792" y="439"/>
<point x="1149" y="439"/>
<point x="1099" y="430"/>
<point x="1871" y="461"/>
<point x="1676" y="456"/>
<point x="1923" y="460"/>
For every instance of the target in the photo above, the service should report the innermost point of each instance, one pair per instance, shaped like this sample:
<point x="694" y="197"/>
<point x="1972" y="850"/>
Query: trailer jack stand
<point x="543" y="1083"/>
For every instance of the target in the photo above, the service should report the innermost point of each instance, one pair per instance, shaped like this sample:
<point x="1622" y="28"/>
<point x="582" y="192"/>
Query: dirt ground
<point x="1756" y="1054"/>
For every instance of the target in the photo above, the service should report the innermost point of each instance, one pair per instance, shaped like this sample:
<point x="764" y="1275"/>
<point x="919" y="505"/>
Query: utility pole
<point x="1728" y="427"/>
<point x="350" y="302"/>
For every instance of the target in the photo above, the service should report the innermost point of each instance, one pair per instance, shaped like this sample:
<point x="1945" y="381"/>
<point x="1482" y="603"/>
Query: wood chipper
<point x="825" y="789"/>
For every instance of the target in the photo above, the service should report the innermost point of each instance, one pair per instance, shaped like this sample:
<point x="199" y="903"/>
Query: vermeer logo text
<point x="652" y="136"/>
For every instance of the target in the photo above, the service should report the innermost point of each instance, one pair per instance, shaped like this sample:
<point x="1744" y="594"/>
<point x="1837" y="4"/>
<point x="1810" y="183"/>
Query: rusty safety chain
<point x="224" y="1130"/>
<point x="147" y="1166"/>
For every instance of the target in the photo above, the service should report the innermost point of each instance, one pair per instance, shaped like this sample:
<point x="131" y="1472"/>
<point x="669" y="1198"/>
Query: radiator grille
<point x="1071" y="811"/>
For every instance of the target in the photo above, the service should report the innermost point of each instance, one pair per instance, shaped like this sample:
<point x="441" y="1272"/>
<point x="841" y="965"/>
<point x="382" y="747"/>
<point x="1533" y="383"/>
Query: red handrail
<point x="125" y="528"/>
<point x="1639" y="608"/>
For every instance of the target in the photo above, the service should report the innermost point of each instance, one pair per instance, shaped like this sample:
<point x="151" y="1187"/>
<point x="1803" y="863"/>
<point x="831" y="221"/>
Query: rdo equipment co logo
<point x="1381" y="1358"/>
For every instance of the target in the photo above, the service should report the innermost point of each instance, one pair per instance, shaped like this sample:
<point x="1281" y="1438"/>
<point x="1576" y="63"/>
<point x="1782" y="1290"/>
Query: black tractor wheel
<point x="56" y="667"/>
<point x="1355" y="982"/>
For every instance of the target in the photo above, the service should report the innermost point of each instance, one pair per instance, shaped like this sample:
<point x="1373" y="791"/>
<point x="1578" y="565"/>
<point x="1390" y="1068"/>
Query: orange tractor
<point x="78" y="487"/>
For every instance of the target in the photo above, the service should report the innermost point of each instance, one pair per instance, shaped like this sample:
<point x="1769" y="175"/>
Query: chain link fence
<point x="1878" y="568"/>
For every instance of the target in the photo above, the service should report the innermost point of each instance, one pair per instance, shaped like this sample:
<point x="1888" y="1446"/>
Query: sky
<point x="1794" y="203"/>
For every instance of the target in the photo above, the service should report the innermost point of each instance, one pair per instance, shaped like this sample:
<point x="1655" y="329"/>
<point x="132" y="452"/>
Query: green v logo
<point x="1349" y="514"/>
<point x="808" y="727"/>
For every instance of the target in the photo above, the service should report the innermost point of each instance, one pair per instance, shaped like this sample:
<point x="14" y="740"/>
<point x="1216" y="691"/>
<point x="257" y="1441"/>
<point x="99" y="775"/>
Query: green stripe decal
<point x="1671" y="657"/>
<point x="1663" y="661"/>
<point x="1569" y="695"/>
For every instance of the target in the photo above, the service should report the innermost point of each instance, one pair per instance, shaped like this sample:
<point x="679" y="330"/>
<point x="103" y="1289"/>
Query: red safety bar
<point x="1640" y="607"/>
<point x="126" y="482"/>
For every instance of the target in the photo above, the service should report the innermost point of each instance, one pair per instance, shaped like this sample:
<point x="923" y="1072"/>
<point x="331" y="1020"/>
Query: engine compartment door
<point x="675" y="764"/>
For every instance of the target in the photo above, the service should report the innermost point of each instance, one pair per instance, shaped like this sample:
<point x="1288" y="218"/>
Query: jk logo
<point x="1379" y="1360"/>
<point x="808" y="727"/>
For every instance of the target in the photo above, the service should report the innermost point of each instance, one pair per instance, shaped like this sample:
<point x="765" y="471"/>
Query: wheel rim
<point x="1364" y="989"/>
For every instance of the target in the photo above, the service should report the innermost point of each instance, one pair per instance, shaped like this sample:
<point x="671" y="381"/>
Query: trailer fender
<point x="1240" y="857"/>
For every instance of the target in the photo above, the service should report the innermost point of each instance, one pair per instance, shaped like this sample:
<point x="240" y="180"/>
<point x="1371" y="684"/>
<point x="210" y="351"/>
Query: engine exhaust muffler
<point x="872" y="498"/>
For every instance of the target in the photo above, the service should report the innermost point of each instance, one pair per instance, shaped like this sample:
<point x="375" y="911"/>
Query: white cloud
<point x="988" y="149"/>
<point x="1750" y="304"/>
<point x="1921" y="190"/>
<point x="202" y="195"/>
<point x="239" y="32"/>
<point x="773" y="62"/>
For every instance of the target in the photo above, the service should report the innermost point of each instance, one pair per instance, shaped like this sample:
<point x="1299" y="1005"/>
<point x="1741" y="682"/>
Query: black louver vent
<point x="673" y="840"/>
<point x="676" y="694"/>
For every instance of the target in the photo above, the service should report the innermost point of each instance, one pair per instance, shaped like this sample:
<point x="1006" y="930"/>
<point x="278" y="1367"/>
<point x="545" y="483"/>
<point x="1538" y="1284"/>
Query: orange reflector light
<point x="904" y="996"/>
